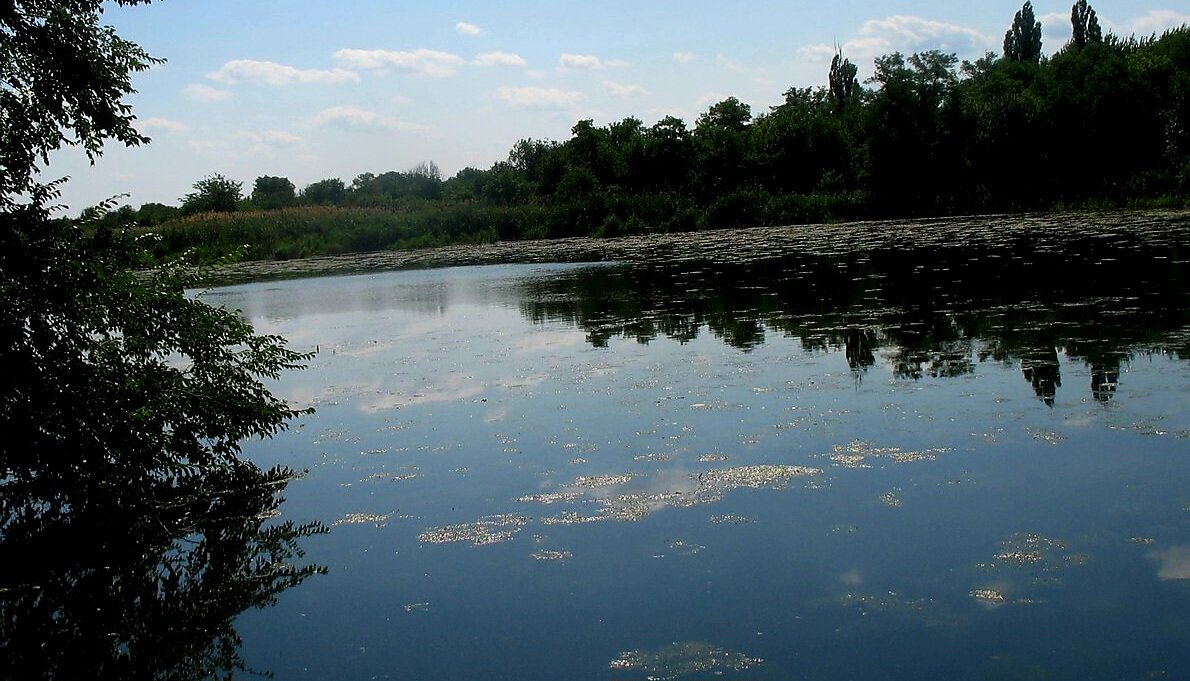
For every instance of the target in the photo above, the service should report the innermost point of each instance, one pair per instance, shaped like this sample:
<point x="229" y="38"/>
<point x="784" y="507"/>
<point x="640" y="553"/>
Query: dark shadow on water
<point x="141" y="578"/>
<point x="932" y="308"/>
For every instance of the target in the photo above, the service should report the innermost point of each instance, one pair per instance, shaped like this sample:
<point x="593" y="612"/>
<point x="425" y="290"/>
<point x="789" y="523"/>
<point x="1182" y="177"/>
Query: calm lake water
<point x="928" y="452"/>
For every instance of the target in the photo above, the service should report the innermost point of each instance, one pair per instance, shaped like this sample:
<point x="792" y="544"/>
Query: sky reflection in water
<point x="874" y="467"/>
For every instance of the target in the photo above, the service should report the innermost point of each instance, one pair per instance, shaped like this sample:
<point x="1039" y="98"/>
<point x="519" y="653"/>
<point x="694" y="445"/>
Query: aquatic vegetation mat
<point x="680" y="660"/>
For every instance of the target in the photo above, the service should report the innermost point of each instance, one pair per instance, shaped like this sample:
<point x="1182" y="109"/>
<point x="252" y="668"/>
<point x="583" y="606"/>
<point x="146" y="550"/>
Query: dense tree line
<point x="1105" y="121"/>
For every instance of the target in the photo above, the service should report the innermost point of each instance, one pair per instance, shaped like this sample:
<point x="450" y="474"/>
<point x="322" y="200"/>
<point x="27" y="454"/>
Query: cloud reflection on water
<point x="1173" y="563"/>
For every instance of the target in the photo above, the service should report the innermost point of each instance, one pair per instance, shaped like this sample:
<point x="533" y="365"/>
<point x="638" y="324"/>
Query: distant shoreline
<point x="711" y="245"/>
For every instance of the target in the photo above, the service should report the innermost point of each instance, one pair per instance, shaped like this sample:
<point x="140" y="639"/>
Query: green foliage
<point x="213" y="194"/>
<point x="270" y="192"/>
<point x="151" y="214"/>
<point x="119" y="375"/>
<point x="422" y="182"/>
<point x="1022" y="42"/>
<point x="131" y="531"/>
<point x="844" y="86"/>
<point x="62" y="77"/>
<point x="329" y="192"/>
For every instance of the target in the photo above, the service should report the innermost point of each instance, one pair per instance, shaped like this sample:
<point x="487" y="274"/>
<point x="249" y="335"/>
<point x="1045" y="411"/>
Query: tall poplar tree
<point x="1022" y="42"/>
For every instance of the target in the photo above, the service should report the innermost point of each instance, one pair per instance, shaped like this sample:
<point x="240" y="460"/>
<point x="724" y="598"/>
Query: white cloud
<point x="354" y="116"/>
<point x="421" y="62"/>
<point x="1155" y="21"/>
<point x="1055" y="31"/>
<point x="587" y="62"/>
<point x="468" y="29"/>
<point x="621" y="90"/>
<point x="499" y="59"/>
<point x="163" y="124"/>
<point x="905" y="34"/>
<point x="541" y="98"/>
<point x="684" y="57"/>
<point x="280" y="138"/>
<point x="580" y="61"/>
<point x="818" y="54"/>
<point x="272" y="73"/>
<point x="205" y="93"/>
<point x="267" y="141"/>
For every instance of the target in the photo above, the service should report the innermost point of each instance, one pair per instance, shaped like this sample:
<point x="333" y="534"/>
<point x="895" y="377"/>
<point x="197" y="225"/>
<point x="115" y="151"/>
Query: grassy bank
<point x="309" y="231"/>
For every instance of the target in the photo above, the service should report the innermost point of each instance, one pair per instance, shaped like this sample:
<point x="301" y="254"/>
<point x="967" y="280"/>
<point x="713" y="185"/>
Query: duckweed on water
<point x="729" y="519"/>
<point x="682" y="659"/>
<point x="891" y="498"/>
<point x="550" y="498"/>
<point x="551" y="555"/>
<point x="856" y="453"/>
<point x="363" y="519"/>
<point x="989" y="596"/>
<point x="592" y="481"/>
<point x="1036" y="551"/>
<point x="491" y="529"/>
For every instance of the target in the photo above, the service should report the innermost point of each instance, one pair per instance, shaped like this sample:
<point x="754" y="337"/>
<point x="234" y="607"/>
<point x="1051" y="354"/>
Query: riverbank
<point x="713" y="246"/>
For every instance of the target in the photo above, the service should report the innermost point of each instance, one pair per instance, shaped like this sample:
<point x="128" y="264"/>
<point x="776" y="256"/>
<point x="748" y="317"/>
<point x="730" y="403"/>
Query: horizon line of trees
<point x="1104" y="121"/>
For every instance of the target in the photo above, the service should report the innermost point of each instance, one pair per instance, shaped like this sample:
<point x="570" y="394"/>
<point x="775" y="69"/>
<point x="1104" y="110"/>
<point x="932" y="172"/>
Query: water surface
<point x="940" y="451"/>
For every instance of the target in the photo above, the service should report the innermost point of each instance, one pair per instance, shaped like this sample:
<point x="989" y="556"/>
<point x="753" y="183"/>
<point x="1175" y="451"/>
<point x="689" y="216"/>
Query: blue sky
<point x="314" y="89"/>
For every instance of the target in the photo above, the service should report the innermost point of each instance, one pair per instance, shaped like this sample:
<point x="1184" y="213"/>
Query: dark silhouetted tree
<point x="325" y="192"/>
<point x="1022" y="42"/>
<point x="843" y="84"/>
<point x="1085" y="25"/>
<point x="272" y="192"/>
<point x="124" y="403"/>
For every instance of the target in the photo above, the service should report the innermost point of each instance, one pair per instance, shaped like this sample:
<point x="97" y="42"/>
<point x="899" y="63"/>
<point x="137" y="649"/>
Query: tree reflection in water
<point x="929" y="306"/>
<point x="143" y="579"/>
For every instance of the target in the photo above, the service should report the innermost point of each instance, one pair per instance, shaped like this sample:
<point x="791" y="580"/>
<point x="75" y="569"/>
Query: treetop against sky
<point x="310" y="89"/>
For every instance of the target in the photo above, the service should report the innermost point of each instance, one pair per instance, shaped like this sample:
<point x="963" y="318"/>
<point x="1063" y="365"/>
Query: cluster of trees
<point x="132" y="533"/>
<point x="1105" y="121"/>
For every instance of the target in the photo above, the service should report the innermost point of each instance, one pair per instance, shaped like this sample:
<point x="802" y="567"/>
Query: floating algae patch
<point x="679" y="660"/>
<point x="593" y="481"/>
<point x="989" y="596"/>
<point x="713" y="484"/>
<point x="681" y="547"/>
<point x="891" y="498"/>
<point x="710" y="487"/>
<point x="855" y="454"/>
<point x="491" y="529"/>
<point x="1046" y="436"/>
<point x="407" y="473"/>
<point x="705" y="488"/>
<point x="550" y="498"/>
<point x="890" y="602"/>
<point x="729" y="519"/>
<point x="572" y="518"/>
<point x="363" y="519"/>
<point x="551" y="555"/>
<point x="1029" y="550"/>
